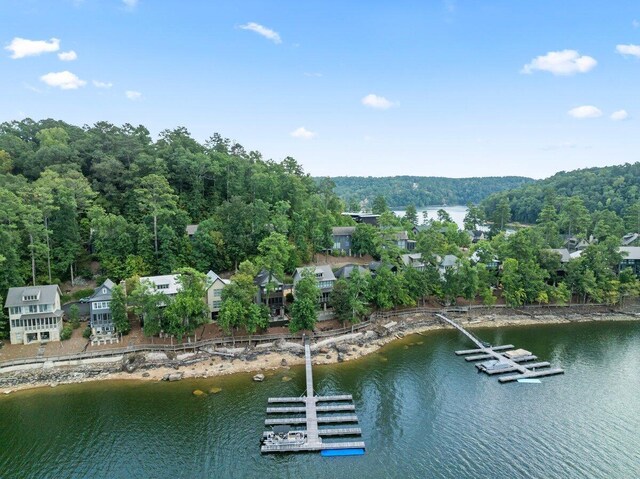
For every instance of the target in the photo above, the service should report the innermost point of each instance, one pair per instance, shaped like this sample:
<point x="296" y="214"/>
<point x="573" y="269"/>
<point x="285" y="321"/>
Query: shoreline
<point x="348" y="347"/>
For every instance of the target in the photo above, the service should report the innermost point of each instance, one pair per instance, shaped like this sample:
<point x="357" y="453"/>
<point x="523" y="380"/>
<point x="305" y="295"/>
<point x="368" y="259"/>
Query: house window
<point x="104" y="290"/>
<point x="162" y="286"/>
<point x="336" y="245"/>
<point x="30" y="297"/>
<point x="16" y="310"/>
<point x="216" y="304"/>
<point x="101" y="305"/>
<point x="217" y="293"/>
<point x="33" y="308"/>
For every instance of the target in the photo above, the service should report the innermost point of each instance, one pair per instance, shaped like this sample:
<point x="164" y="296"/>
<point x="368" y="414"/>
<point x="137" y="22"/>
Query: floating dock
<point x="285" y="438"/>
<point x="503" y="359"/>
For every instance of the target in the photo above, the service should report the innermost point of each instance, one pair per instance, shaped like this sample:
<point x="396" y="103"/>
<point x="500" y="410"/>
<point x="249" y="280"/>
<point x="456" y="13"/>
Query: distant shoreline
<point x="347" y="347"/>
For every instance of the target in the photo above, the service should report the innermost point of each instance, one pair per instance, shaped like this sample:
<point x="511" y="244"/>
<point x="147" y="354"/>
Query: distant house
<point x="191" y="230"/>
<point x="324" y="277"/>
<point x="476" y="235"/>
<point x="564" y="254"/>
<point x="493" y="263"/>
<point x="100" y="318"/>
<point x="214" y="292"/>
<point x="375" y="266"/>
<point x="343" y="238"/>
<point x="166" y="284"/>
<point x="630" y="258"/>
<point x="346" y="270"/>
<point x="365" y="218"/>
<point x="447" y="263"/>
<point x="413" y="260"/>
<point x="275" y="300"/>
<point x="35" y="314"/>
<point x="419" y="228"/>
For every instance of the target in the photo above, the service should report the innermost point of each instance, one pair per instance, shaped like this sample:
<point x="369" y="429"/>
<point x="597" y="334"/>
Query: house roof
<point x="262" y="278"/>
<point x="629" y="238"/>
<point x="322" y="269"/>
<point x="633" y="252"/>
<point x="98" y="295"/>
<point x="212" y="277"/>
<point x="171" y="280"/>
<point x="47" y="295"/>
<point x="343" y="230"/>
<point x="412" y="258"/>
<point x="402" y="235"/>
<point x="191" y="229"/>
<point x="449" y="260"/>
<point x="347" y="269"/>
<point x="564" y="254"/>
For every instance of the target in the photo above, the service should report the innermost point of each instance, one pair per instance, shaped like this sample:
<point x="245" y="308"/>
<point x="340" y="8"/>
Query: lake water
<point x="424" y="412"/>
<point x="457" y="213"/>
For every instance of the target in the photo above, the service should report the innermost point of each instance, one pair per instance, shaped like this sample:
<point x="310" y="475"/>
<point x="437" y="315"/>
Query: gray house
<point x="324" y="277"/>
<point x="630" y="258"/>
<point x="275" y="300"/>
<point x="346" y="271"/>
<point x="343" y="238"/>
<point x="100" y="318"/>
<point x="35" y="314"/>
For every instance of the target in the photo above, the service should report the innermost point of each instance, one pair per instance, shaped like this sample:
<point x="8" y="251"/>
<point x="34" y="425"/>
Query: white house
<point x="35" y="314"/>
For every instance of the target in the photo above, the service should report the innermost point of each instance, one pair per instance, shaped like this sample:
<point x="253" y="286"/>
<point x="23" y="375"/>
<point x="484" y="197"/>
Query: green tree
<point x="474" y="217"/>
<point x="411" y="215"/>
<point x="501" y="215"/>
<point x="304" y="311"/>
<point x="188" y="310"/>
<point x="341" y="301"/>
<point x="364" y="240"/>
<point x="74" y="316"/>
<point x="379" y="205"/>
<point x="119" y="310"/>
<point x="155" y="198"/>
<point x="149" y="306"/>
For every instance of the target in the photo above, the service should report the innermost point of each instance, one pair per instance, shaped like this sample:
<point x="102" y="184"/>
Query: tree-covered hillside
<point x="401" y="191"/>
<point x="72" y="195"/>
<point x="612" y="188"/>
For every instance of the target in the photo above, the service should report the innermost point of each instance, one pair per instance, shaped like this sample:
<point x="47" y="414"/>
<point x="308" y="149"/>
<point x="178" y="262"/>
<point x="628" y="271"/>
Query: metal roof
<point x="47" y="295"/>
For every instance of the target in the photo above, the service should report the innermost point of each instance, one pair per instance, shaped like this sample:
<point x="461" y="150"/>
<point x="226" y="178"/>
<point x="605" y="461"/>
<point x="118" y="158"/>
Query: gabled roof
<point x="171" y="280"/>
<point x="343" y="230"/>
<point x="191" y="229"/>
<point x="98" y="295"/>
<point x="262" y="279"/>
<point x="47" y="295"/>
<point x="212" y="278"/>
<point x="629" y="238"/>
<point x="347" y="269"/>
<point x="323" y="269"/>
<point x="402" y="235"/>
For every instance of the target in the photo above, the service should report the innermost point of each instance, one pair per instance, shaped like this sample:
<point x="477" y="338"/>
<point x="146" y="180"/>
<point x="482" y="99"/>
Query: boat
<point x="284" y="436"/>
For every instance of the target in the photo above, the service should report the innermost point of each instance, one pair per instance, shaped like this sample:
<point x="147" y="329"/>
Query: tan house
<point x="35" y="314"/>
<point x="214" y="292"/>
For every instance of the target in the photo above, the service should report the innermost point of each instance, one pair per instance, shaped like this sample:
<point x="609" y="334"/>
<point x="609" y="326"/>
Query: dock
<point x="502" y="359"/>
<point x="284" y="437"/>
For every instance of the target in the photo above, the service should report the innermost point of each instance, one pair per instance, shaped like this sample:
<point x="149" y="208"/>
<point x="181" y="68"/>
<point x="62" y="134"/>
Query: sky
<point x="349" y="88"/>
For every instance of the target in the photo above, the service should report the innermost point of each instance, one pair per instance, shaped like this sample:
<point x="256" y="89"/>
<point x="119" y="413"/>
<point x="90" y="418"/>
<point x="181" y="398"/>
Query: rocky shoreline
<point x="168" y="366"/>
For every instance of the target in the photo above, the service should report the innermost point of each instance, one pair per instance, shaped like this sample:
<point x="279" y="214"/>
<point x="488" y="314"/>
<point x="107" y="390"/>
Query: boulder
<point x="173" y="377"/>
<point x="283" y="362"/>
<point x="215" y="390"/>
<point x="258" y="377"/>
<point x="198" y="392"/>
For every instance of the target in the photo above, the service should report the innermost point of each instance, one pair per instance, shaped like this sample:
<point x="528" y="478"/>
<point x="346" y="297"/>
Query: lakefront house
<point x="35" y="314"/>
<point x="100" y="319"/>
<point x="324" y="278"/>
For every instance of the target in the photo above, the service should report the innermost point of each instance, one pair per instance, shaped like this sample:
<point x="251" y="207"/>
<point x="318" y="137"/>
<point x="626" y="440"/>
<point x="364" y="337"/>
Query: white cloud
<point x="67" y="56"/>
<point x="630" y="49"/>
<point x="619" y="115"/>
<point x="32" y="88"/>
<point x="102" y="84"/>
<point x="585" y="111"/>
<point x="264" y="31"/>
<point x="378" y="102"/>
<point x="133" y="95"/>
<point x="130" y="4"/>
<point x="64" y="80"/>
<point x="565" y="62"/>
<point x="303" y="133"/>
<point x="21" y="47"/>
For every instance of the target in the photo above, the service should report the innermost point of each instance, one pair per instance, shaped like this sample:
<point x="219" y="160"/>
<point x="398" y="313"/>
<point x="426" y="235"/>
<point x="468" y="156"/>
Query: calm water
<point x="457" y="213"/>
<point x="424" y="412"/>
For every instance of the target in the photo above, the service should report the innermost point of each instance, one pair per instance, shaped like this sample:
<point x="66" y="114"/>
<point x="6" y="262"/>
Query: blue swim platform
<point x="342" y="452"/>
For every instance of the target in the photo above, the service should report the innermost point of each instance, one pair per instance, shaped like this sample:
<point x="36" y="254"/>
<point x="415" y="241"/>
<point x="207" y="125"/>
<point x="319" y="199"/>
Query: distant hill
<point x="615" y="188"/>
<point x="401" y="191"/>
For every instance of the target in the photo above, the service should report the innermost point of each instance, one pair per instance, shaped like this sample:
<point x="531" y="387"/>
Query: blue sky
<point x="436" y="88"/>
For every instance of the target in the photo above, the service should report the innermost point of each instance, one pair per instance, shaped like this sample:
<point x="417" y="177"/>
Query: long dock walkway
<point x="500" y="360"/>
<point x="310" y="438"/>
